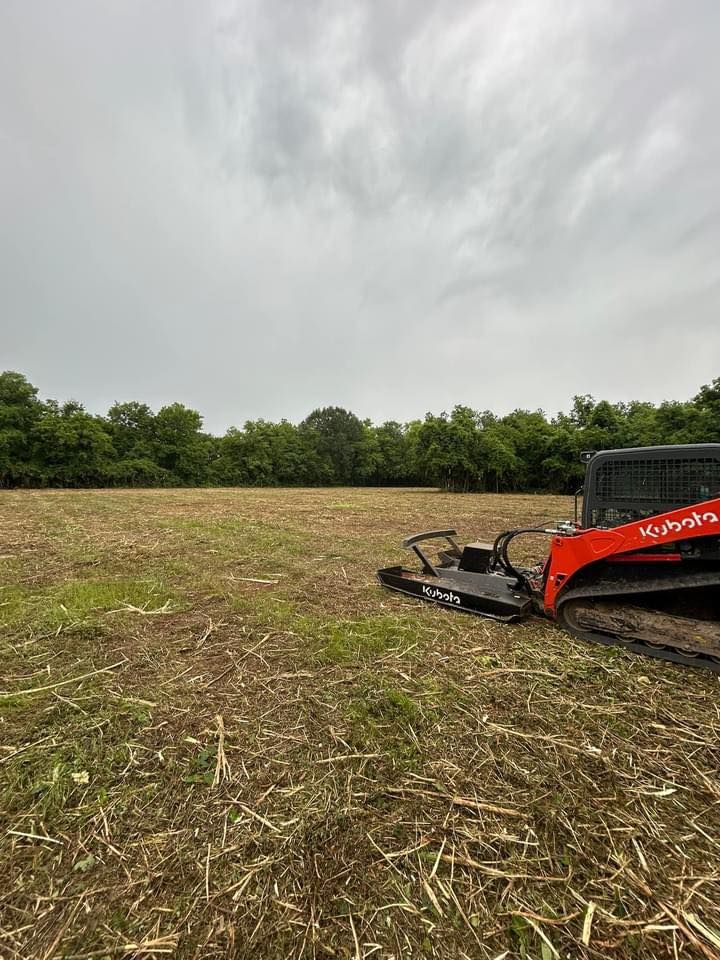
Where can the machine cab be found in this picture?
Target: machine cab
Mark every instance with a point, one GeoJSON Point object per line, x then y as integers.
{"type": "Point", "coordinates": [638, 482]}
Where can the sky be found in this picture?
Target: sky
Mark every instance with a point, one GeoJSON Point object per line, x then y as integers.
{"type": "Point", "coordinates": [257, 208]}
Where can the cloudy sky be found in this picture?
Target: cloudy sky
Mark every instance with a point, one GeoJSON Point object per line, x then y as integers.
{"type": "Point", "coordinates": [258, 208]}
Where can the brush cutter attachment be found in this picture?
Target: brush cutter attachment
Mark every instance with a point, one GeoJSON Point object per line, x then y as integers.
{"type": "Point", "coordinates": [460, 579]}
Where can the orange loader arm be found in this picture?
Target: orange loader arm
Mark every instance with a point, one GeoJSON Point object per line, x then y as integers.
{"type": "Point", "coordinates": [572, 552]}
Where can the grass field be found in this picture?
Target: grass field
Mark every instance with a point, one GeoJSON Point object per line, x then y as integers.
{"type": "Point", "coordinates": [219, 737]}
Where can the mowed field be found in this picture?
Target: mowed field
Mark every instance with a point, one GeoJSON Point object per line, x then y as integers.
{"type": "Point", "coordinates": [220, 737]}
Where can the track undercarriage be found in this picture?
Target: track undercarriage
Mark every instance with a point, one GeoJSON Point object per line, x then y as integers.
{"type": "Point", "coordinates": [681, 625]}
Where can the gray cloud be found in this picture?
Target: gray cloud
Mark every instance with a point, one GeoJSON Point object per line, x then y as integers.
{"type": "Point", "coordinates": [261, 207]}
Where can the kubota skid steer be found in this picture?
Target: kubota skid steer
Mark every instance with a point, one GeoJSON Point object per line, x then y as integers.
{"type": "Point", "coordinates": [641, 570]}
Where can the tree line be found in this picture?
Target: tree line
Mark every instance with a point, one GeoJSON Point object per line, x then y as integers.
{"type": "Point", "coordinates": [45, 443]}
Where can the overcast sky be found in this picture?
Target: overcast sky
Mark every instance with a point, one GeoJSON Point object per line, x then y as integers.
{"type": "Point", "coordinates": [258, 208]}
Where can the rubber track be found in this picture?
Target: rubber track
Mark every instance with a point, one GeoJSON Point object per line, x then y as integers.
{"type": "Point", "coordinates": [608, 588]}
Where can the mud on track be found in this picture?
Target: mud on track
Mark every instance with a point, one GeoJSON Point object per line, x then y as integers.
{"type": "Point", "coordinates": [219, 737]}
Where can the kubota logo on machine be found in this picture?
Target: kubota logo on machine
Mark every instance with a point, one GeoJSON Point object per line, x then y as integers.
{"type": "Point", "coordinates": [444, 596]}
{"type": "Point", "coordinates": [656, 530]}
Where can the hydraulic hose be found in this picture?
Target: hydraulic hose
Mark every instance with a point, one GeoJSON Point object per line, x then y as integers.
{"type": "Point", "coordinates": [500, 557]}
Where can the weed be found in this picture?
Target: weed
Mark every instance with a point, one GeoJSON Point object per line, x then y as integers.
{"type": "Point", "coordinates": [80, 601]}
{"type": "Point", "coordinates": [201, 768]}
{"type": "Point", "coordinates": [343, 640]}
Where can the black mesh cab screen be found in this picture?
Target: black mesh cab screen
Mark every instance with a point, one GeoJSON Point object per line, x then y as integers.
{"type": "Point", "coordinates": [626, 485]}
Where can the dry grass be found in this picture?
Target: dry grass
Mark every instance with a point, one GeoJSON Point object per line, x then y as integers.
{"type": "Point", "coordinates": [219, 737]}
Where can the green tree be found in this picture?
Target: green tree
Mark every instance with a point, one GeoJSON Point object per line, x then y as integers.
{"type": "Point", "coordinates": [530, 436]}
{"type": "Point", "coordinates": [640, 427]}
{"type": "Point", "coordinates": [338, 436]}
{"type": "Point", "coordinates": [707, 406]}
{"type": "Point", "coordinates": [19, 412]}
{"type": "Point", "coordinates": [434, 453]}
{"type": "Point", "coordinates": [448, 450]}
{"type": "Point", "coordinates": [368, 464]}
{"type": "Point", "coordinates": [132, 429]}
{"type": "Point", "coordinates": [178, 444]}
{"type": "Point", "coordinates": [561, 465]}
{"type": "Point", "coordinates": [395, 461]}
{"type": "Point", "coordinates": [72, 447]}
{"type": "Point", "coordinates": [498, 457]}
{"type": "Point", "coordinates": [296, 461]}
{"type": "Point", "coordinates": [679, 422]}
{"type": "Point", "coordinates": [227, 460]}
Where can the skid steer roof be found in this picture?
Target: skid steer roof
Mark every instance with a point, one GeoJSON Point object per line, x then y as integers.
{"type": "Point", "coordinates": [636, 482]}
